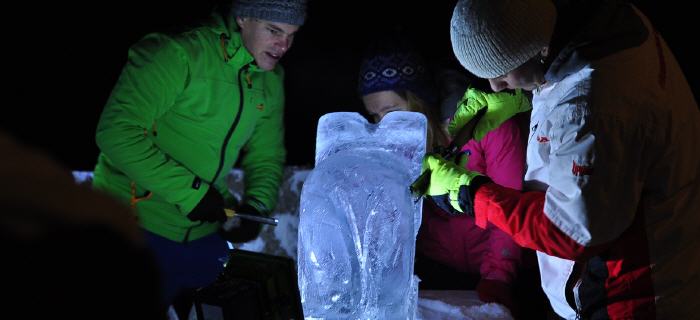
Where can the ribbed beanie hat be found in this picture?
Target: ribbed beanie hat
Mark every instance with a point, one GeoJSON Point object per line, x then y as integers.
{"type": "Point", "coordinates": [492, 37]}
{"type": "Point", "coordinates": [284, 11]}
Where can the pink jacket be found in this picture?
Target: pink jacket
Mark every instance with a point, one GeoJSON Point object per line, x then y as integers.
{"type": "Point", "coordinates": [455, 240]}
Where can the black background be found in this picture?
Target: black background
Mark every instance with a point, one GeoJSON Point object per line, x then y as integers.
{"type": "Point", "coordinates": [64, 59]}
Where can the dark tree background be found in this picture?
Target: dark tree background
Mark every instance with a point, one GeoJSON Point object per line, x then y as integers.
{"type": "Point", "coordinates": [64, 59]}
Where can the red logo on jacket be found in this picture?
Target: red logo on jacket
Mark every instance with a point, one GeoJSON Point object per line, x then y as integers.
{"type": "Point", "coordinates": [579, 170]}
{"type": "Point", "coordinates": [542, 139]}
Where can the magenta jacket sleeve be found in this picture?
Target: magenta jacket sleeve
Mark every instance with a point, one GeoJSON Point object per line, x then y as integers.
{"type": "Point", "coordinates": [500, 155]}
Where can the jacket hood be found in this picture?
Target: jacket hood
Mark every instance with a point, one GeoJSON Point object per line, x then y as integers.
{"type": "Point", "coordinates": [608, 27]}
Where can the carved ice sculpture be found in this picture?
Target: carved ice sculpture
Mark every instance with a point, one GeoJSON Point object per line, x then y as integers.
{"type": "Point", "coordinates": [358, 221]}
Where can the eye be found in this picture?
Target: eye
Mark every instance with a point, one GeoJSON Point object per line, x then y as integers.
{"type": "Point", "coordinates": [273, 32]}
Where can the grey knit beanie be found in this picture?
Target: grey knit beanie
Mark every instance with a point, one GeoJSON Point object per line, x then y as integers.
{"type": "Point", "coordinates": [284, 11]}
{"type": "Point", "coordinates": [492, 37]}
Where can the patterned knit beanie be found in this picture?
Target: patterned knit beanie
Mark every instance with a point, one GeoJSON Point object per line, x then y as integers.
{"type": "Point", "coordinates": [395, 66]}
{"type": "Point", "coordinates": [284, 11]}
{"type": "Point", "coordinates": [492, 37]}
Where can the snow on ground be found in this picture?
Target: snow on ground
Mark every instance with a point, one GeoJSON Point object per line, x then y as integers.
{"type": "Point", "coordinates": [457, 304]}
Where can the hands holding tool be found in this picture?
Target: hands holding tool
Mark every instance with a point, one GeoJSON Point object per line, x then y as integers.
{"type": "Point", "coordinates": [244, 224]}
{"type": "Point", "coordinates": [241, 225]}
{"type": "Point", "coordinates": [445, 177]}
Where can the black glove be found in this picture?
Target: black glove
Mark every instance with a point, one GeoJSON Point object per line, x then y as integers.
{"type": "Point", "coordinates": [247, 230]}
{"type": "Point", "coordinates": [210, 208]}
{"type": "Point", "coordinates": [465, 198]}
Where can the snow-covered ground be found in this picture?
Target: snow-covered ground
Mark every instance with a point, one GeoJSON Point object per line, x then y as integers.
{"type": "Point", "coordinates": [454, 304]}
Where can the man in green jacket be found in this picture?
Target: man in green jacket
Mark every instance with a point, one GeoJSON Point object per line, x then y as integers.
{"type": "Point", "coordinates": [185, 107]}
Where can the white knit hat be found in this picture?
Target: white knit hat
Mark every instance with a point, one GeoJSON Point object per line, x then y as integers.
{"type": "Point", "coordinates": [492, 37]}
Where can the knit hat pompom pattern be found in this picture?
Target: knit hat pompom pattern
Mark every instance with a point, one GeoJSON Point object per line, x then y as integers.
{"type": "Point", "coordinates": [395, 66]}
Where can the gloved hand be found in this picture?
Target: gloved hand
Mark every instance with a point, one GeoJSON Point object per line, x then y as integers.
{"type": "Point", "coordinates": [452, 187]}
{"type": "Point", "coordinates": [210, 208]}
{"type": "Point", "coordinates": [501, 107]}
{"type": "Point", "coordinates": [246, 230]}
{"type": "Point", "coordinates": [495, 291]}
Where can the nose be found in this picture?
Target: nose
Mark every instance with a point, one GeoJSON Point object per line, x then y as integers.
{"type": "Point", "coordinates": [497, 84]}
{"type": "Point", "coordinates": [283, 43]}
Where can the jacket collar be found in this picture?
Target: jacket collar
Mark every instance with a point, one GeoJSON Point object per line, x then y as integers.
{"type": "Point", "coordinates": [231, 43]}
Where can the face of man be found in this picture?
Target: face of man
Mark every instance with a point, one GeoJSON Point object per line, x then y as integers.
{"type": "Point", "coordinates": [267, 41]}
{"type": "Point", "coordinates": [527, 76]}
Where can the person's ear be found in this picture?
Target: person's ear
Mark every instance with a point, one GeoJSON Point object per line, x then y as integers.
{"type": "Point", "coordinates": [242, 21]}
{"type": "Point", "coordinates": [543, 55]}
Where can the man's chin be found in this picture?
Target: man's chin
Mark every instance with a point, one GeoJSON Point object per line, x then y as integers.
{"type": "Point", "coordinates": [266, 63]}
{"type": "Point", "coordinates": [530, 87]}
{"type": "Point", "coordinates": [267, 66]}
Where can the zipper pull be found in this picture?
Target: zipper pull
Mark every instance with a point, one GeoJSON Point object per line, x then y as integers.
{"type": "Point", "coordinates": [223, 39]}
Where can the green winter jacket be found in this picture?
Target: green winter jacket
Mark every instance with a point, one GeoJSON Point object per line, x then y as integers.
{"type": "Point", "coordinates": [183, 110]}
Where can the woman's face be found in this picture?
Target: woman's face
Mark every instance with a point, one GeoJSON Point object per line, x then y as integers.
{"type": "Point", "coordinates": [378, 104]}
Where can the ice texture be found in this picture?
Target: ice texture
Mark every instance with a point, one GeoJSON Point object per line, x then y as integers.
{"type": "Point", "coordinates": [358, 221]}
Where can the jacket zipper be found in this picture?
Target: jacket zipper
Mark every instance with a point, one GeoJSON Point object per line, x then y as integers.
{"type": "Point", "coordinates": [233, 126]}
{"type": "Point", "coordinates": [572, 287]}
{"type": "Point", "coordinates": [187, 234]}
{"type": "Point", "coordinates": [226, 140]}
{"type": "Point", "coordinates": [577, 301]}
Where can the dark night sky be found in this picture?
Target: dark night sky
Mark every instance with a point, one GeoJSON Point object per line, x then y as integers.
{"type": "Point", "coordinates": [69, 57]}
